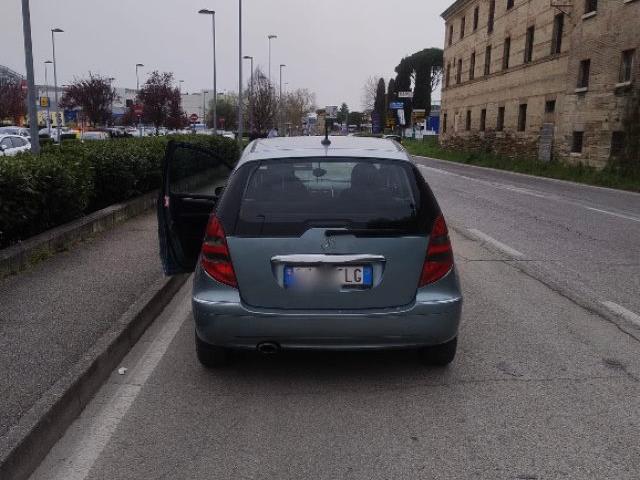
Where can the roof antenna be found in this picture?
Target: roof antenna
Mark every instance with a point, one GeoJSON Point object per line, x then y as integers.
{"type": "Point", "coordinates": [325, 141]}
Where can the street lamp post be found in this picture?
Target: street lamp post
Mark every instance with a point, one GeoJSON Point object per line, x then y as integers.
{"type": "Point", "coordinates": [270, 37]}
{"type": "Point", "coordinates": [111, 79]}
{"type": "Point", "coordinates": [204, 11]}
{"type": "Point", "coordinates": [180, 82]}
{"type": "Point", "coordinates": [138, 65]}
{"type": "Point", "coordinates": [240, 73]}
{"type": "Point", "coordinates": [55, 80]}
{"type": "Point", "coordinates": [46, 87]}
{"type": "Point", "coordinates": [204, 107]}
{"type": "Point", "coordinates": [251, 126]}
{"type": "Point", "coordinates": [282, 65]}
{"type": "Point", "coordinates": [31, 81]}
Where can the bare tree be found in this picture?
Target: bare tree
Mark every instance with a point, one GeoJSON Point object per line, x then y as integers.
{"type": "Point", "coordinates": [297, 105]}
{"type": "Point", "coordinates": [94, 95]}
{"type": "Point", "coordinates": [369, 90]}
{"type": "Point", "coordinates": [265, 103]}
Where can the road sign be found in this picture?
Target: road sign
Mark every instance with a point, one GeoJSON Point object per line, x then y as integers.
{"type": "Point", "coordinates": [44, 102]}
{"type": "Point", "coordinates": [331, 111]}
{"type": "Point", "coordinates": [396, 105]}
{"type": "Point", "coordinates": [193, 118]}
{"type": "Point", "coordinates": [405, 94]}
{"type": "Point", "coordinates": [138, 109]}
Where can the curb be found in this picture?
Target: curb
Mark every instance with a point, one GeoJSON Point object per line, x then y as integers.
{"type": "Point", "coordinates": [19, 257]}
{"type": "Point", "coordinates": [27, 443]}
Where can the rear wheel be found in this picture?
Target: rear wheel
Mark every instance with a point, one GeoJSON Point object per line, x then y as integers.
{"type": "Point", "coordinates": [440, 355]}
{"type": "Point", "coordinates": [211, 356]}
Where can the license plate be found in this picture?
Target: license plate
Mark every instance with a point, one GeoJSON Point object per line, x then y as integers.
{"type": "Point", "coordinates": [308, 278]}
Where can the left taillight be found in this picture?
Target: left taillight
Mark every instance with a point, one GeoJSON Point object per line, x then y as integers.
{"type": "Point", "coordinates": [215, 258]}
{"type": "Point", "coordinates": [439, 259]}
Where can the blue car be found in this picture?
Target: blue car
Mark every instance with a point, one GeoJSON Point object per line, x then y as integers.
{"type": "Point", "coordinates": [309, 246]}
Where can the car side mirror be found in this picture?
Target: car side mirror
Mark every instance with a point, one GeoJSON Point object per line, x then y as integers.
{"type": "Point", "coordinates": [219, 191]}
{"type": "Point", "coordinates": [3, 147]}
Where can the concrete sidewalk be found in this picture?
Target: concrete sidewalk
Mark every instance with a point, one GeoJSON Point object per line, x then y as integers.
{"type": "Point", "coordinates": [51, 315]}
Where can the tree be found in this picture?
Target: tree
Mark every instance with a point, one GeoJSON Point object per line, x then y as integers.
{"type": "Point", "coordinates": [297, 105]}
{"type": "Point", "coordinates": [157, 96]}
{"type": "Point", "coordinates": [94, 95]}
{"type": "Point", "coordinates": [343, 113]}
{"type": "Point", "coordinates": [12, 101]}
{"type": "Point", "coordinates": [177, 118]}
{"type": "Point", "coordinates": [424, 68]}
{"type": "Point", "coordinates": [380, 105]}
{"type": "Point", "coordinates": [226, 112]}
{"type": "Point", "coordinates": [355, 118]}
{"type": "Point", "coordinates": [265, 103]}
{"type": "Point", "coordinates": [369, 89]}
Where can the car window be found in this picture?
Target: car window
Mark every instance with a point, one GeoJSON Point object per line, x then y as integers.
{"type": "Point", "coordinates": [284, 198]}
{"type": "Point", "coordinates": [18, 141]}
{"type": "Point", "coordinates": [6, 142]}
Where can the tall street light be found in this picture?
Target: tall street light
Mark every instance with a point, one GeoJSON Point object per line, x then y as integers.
{"type": "Point", "coordinates": [55, 80]}
{"type": "Point", "coordinates": [138, 65]}
{"type": "Point", "coordinates": [46, 86]}
{"type": "Point", "coordinates": [251, 126]}
{"type": "Point", "coordinates": [180, 82]}
{"type": "Point", "coordinates": [204, 11]}
{"type": "Point", "coordinates": [282, 65]}
{"type": "Point", "coordinates": [31, 80]}
{"type": "Point", "coordinates": [204, 107]}
{"type": "Point", "coordinates": [111, 80]}
{"type": "Point", "coordinates": [240, 126]}
{"type": "Point", "coordinates": [270, 37]}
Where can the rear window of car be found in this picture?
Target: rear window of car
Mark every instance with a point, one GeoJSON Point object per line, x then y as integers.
{"type": "Point", "coordinates": [288, 197]}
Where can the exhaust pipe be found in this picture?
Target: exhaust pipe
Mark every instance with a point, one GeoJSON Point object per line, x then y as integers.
{"type": "Point", "coordinates": [268, 348]}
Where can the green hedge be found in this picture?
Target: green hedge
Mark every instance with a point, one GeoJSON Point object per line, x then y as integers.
{"type": "Point", "coordinates": [63, 183]}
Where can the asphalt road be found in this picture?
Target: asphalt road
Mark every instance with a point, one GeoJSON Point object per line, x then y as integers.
{"type": "Point", "coordinates": [52, 314]}
{"type": "Point", "coordinates": [542, 388]}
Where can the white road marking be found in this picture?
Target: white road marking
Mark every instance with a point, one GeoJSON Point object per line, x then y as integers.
{"type": "Point", "coordinates": [623, 312]}
{"type": "Point", "coordinates": [526, 191]}
{"type": "Point", "coordinates": [499, 245]}
{"type": "Point", "coordinates": [74, 456]}
{"type": "Point", "coordinates": [619, 215]}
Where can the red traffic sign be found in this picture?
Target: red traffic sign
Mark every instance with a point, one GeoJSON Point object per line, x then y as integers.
{"type": "Point", "coordinates": [193, 118]}
{"type": "Point", "coordinates": [138, 109]}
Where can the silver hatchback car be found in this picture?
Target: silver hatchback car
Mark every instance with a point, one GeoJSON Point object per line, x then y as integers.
{"type": "Point", "coordinates": [311, 246]}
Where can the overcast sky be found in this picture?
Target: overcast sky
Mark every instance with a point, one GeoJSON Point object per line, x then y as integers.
{"type": "Point", "coordinates": [330, 46]}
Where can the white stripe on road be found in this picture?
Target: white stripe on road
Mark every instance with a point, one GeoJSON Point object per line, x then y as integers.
{"type": "Point", "coordinates": [623, 312]}
{"type": "Point", "coordinates": [74, 456]}
{"type": "Point", "coordinates": [499, 245]}
{"type": "Point", "coordinates": [619, 215]}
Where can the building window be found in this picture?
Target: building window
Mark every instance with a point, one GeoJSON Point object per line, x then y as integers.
{"type": "Point", "coordinates": [550, 106]}
{"type": "Point", "coordinates": [447, 80]}
{"type": "Point", "coordinates": [617, 144]}
{"type": "Point", "coordinates": [500, 122]}
{"type": "Point", "coordinates": [506, 53]}
{"type": "Point", "coordinates": [476, 18]}
{"type": "Point", "coordinates": [509, 4]}
{"type": "Point", "coordinates": [483, 119]}
{"type": "Point", "coordinates": [528, 46]}
{"type": "Point", "coordinates": [450, 35]}
{"type": "Point", "coordinates": [467, 124]}
{"type": "Point", "coordinates": [492, 15]}
{"type": "Point", "coordinates": [556, 39]}
{"type": "Point", "coordinates": [459, 72]}
{"type": "Point", "coordinates": [590, 6]}
{"type": "Point", "coordinates": [577, 143]}
{"type": "Point", "coordinates": [583, 74]}
{"type": "Point", "coordinates": [463, 24]}
{"type": "Point", "coordinates": [626, 66]}
{"type": "Point", "coordinates": [444, 123]}
{"type": "Point", "coordinates": [472, 66]}
{"type": "Point", "coordinates": [522, 118]}
{"type": "Point", "coordinates": [487, 61]}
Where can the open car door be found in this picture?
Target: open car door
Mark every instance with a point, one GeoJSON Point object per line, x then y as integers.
{"type": "Point", "coordinates": [192, 177]}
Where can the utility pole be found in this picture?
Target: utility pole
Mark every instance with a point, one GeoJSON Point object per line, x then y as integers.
{"type": "Point", "coordinates": [204, 11]}
{"type": "Point", "coordinates": [251, 125]}
{"type": "Point", "coordinates": [55, 81]}
{"type": "Point", "coordinates": [270, 37]}
{"type": "Point", "coordinates": [46, 86]}
{"type": "Point", "coordinates": [240, 73]}
{"type": "Point", "coordinates": [282, 65]}
{"type": "Point", "coordinates": [31, 82]}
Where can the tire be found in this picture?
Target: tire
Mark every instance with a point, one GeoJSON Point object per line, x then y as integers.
{"type": "Point", "coordinates": [211, 356]}
{"type": "Point", "coordinates": [440, 355]}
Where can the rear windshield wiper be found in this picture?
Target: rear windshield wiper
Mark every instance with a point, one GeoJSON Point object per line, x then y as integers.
{"type": "Point", "coordinates": [367, 232]}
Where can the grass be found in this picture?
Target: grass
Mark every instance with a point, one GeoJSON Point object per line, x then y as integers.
{"type": "Point", "coordinates": [609, 177]}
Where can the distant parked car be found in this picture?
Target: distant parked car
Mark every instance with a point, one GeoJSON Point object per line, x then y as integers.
{"type": "Point", "coordinates": [396, 138]}
{"type": "Point", "coordinates": [13, 130]}
{"type": "Point", "coordinates": [11, 145]}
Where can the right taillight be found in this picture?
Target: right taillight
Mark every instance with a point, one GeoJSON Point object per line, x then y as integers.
{"type": "Point", "coordinates": [439, 259]}
{"type": "Point", "coordinates": [216, 260]}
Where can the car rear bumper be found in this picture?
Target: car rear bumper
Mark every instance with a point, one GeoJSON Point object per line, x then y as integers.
{"type": "Point", "coordinates": [227, 322]}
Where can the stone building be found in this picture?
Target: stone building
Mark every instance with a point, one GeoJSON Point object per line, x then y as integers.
{"type": "Point", "coordinates": [540, 78]}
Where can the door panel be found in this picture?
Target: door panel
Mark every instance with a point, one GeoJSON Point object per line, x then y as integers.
{"type": "Point", "coordinates": [190, 177]}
